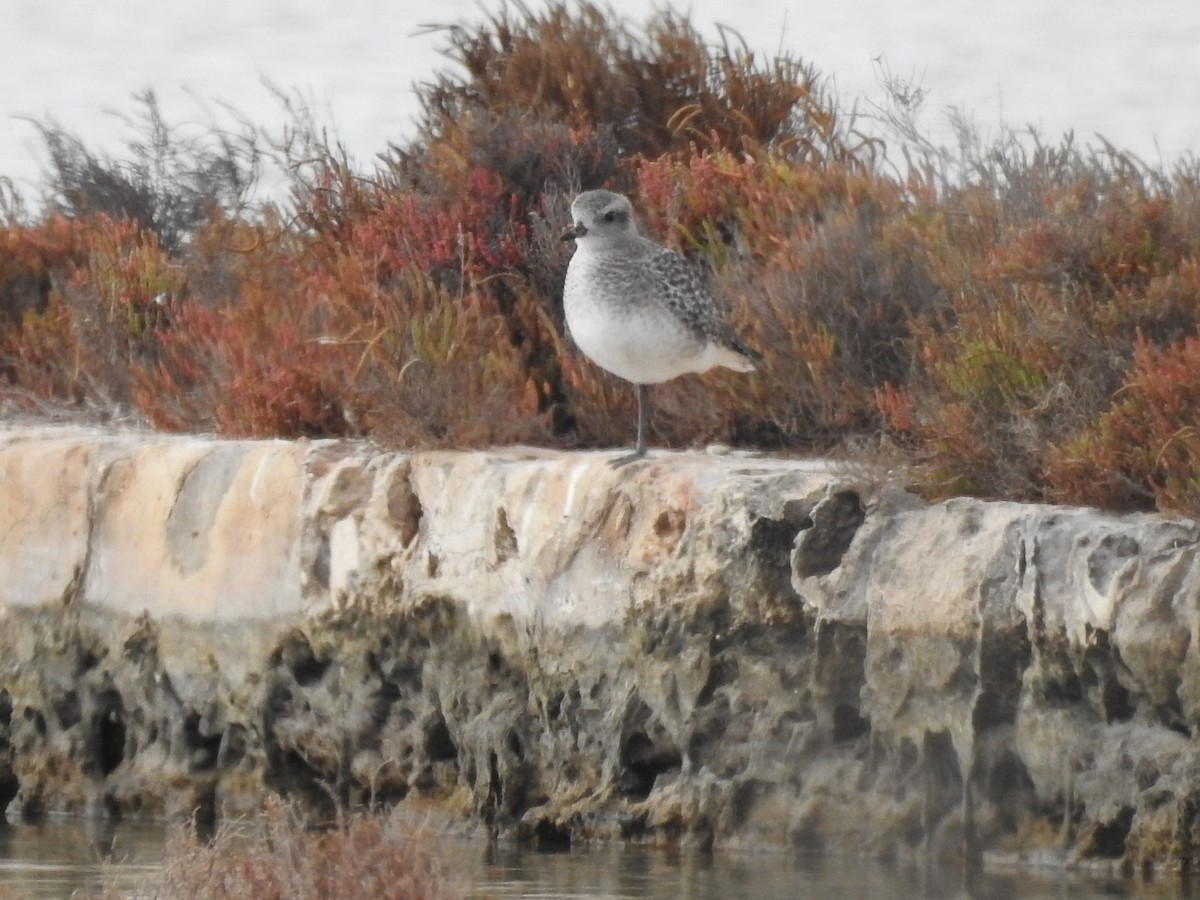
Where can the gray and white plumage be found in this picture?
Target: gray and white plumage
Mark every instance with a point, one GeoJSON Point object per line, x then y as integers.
{"type": "Point", "coordinates": [638, 309]}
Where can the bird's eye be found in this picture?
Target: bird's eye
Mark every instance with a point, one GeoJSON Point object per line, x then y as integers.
{"type": "Point", "coordinates": [610, 216]}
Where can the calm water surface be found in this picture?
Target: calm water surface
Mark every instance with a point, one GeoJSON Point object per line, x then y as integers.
{"type": "Point", "coordinates": [67, 859]}
{"type": "Point", "coordinates": [72, 859]}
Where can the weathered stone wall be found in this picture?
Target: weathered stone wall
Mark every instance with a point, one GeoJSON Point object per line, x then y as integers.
{"type": "Point", "coordinates": [698, 648]}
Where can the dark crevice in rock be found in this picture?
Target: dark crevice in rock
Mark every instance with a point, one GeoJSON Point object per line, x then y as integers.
{"type": "Point", "coordinates": [772, 542]}
{"type": "Point", "coordinates": [1179, 727]}
{"type": "Point", "coordinates": [289, 774]}
{"type": "Point", "coordinates": [204, 813]}
{"type": "Point", "coordinates": [840, 673]}
{"type": "Point", "coordinates": [848, 723]}
{"type": "Point", "coordinates": [833, 523]}
{"type": "Point", "coordinates": [439, 745]}
{"type": "Point", "coordinates": [381, 703]}
{"type": "Point", "coordinates": [495, 789]}
{"type": "Point", "coordinates": [296, 654]}
{"type": "Point", "coordinates": [514, 746]}
{"type": "Point", "coordinates": [203, 749]}
{"type": "Point", "coordinates": [287, 771]}
{"type": "Point", "coordinates": [722, 671]}
{"type": "Point", "coordinates": [1004, 657]}
{"type": "Point", "coordinates": [646, 752]}
{"type": "Point", "coordinates": [989, 712]}
{"type": "Point", "coordinates": [1116, 701]}
{"type": "Point", "coordinates": [67, 708]}
{"type": "Point", "coordinates": [1056, 683]}
{"type": "Point", "coordinates": [233, 746]}
{"type": "Point", "coordinates": [398, 664]}
{"type": "Point", "coordinates": [670, 524]}
{"type": "Point", "coordinates": [386, 795]}
{"type": "Point", "coordinates": [551, 838]}
{"type": "Point", "coordinates": [1102, 679]}
{"type": "Point", "coordinates": [1007, 785]}
{"type": "Point", "coordinates": [106, 733]}
{"type": "Point", "coordinates": [86, 659]}
{"type": "Point", "coordinates": [743, 799]}
{"type": "Point", "coordinates": [10, 786]}
{"type": "Point", "coordinates": [35, 718]}
{"type": "Point", "coordinates": [1107, 840]}
{"type": "Point", "coordinates": [943, 780]}
{"type": "Point", "coordinates": [633, 826]}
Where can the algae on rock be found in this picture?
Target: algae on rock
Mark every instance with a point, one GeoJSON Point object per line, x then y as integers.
{"type": "Point", "coordinates": [700, 648]}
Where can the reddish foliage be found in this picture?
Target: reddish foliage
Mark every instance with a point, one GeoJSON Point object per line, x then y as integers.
{"type": "Point", "coordinates": [1040, 327]}
{"type": "Point", "coordinates": [1147, 444]}
{"type": "Point", "coordinates": [98, 316]}
{"type": "Point", "coordinates": [282, 857]}
{"type": "Point", "coordinates": [1026, 329]}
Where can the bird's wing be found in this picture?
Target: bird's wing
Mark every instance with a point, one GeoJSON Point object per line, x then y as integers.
{"type": "Point", "coordinates": [692, 294]}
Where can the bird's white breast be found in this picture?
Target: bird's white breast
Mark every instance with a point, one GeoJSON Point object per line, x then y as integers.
{"type": "Point", "coordinates": [639, 341]}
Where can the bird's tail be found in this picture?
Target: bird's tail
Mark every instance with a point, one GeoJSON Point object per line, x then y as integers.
{"type": "Point", "coordinates": [751, 358]}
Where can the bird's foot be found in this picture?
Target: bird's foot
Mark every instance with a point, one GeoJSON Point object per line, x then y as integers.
{"type": "Point", "coordinates": [622, 461]}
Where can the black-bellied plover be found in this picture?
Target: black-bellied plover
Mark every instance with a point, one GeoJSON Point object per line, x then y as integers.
{"type": "Point", "coordinates": [638, 309]}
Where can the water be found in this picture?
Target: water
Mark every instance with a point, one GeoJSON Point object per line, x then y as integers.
{"type": "Point", "coordinates": [637, 874]}
{"type": "Point", "coordinates": [61, 859]}
{"type": "Point", "coordinates": [69, 858]}
{"type": "Point", "coordinates": [1130, 71]}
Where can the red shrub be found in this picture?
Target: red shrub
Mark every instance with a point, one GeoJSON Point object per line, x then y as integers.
{"type": "Point", "coordinates": [1039, 326]}
{"type": "Point", "coordinates": [1146, 447]}
{"type": "Point", "coordinates": [100, 316]}
{"type": "Point", "coordinates": [323, 339]}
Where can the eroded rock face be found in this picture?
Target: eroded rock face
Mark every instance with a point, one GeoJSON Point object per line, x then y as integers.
{"type": "Point", "coordinates": [705, 649]}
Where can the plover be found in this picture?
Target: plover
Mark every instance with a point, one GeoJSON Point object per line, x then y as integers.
{"type": "Point", "coordinates": [638, 309]}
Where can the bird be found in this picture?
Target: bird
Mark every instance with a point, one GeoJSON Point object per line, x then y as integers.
{"type": "Point", "coordinates": [640, 310]}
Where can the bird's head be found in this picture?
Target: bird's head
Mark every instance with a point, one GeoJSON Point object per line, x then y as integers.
{"type": "Point", "coordinates": [601, 216]}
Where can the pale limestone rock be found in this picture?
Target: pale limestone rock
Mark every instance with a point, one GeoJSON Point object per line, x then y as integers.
{"type": "Point", "coordinates": [179, 527]}
{"type": "Point", "coordinates": [704, 648]}
{"type": "Point", "coordinates": [45, 496]}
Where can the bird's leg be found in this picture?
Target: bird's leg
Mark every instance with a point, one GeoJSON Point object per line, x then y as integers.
{"type": "Point", "coordinates": [640, 447]}
{"type": "Point", "coordinates": [639, 450]}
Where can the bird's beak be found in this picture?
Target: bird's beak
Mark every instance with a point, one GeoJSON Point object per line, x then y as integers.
{"type": "Point", "coordinates": [575, 231]}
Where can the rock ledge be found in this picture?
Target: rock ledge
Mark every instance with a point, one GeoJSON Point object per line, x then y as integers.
{"type": "Point", "coordinates": [709, 649]}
